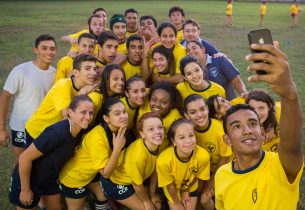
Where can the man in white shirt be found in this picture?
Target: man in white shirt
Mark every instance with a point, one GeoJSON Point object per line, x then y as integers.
{"type": "Point", "coordinates": [29, 82]}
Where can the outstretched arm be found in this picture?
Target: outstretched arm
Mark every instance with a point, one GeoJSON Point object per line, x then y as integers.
{"type": "Point", "coordinates": [279, 78]}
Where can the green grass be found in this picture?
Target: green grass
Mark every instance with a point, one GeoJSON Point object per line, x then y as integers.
{"type": "Point", "coordinates": [22, 21]}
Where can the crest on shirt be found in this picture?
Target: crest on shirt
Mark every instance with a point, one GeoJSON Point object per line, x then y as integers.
{"type": "Point", "coordinates": [210, 147]}
{"type": "Point", "coordinates": [254, 195]}
{"type": "Point", "coordinates": [213, 72]}
{"type": "Point", "coordinates": [274, 148]}
{"type": "Point", "coordinates": [193, 170]}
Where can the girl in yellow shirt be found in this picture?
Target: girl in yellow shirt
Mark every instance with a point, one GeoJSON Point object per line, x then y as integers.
{"type": "Point", "coordinates": [164, 65]}
{"type": "Point", "coordinates": [165, 100]}
{"type": "Point", "coordinates": [100, 152]}
{"type": "Point", "coordinates": [126, 185]}
{"type": "Point", "coordinates": [181, 166]}
{"type": "Point", "coordinates": [209, 133]}
{"type": "Point", "coordinates": [269, 114]}
{"type": "Point", "coordinates": [135, 91]}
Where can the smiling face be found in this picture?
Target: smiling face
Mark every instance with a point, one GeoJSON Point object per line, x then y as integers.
{"type": "Point", "coordinates": [116, 82]}
{"type": "Point", "coordinates": [244, 133]}
{"type": "Point", "coordinates": [168, 38]}
{"type": "Point", "coordinates": [198, 113]}
{"type": "Point", "coordinates": [117, 117]}
{"type": "Point", "coordinates": [221, 106]}
{"type": "Point", "coordinates": [184, 140]}
{"type": "Point", "coordinates": [152, 132]}
{"type": "Point", "coordinates": [82, 116]}
{"type": "Point", "coordinates": [160, 102]}
{"type": "Point", "coordinates": [136, 93]}
{"type": "Point", "coordinates": [193, 49]}
{"type": "Point", "coordinates": [86, 46]}
{"type": "Point", "coordinates": [160, 62]}
{"type": "Point", "coordinates": [193, 74]}
{"type": "Point", "coordinates": [261, 108]}
{"type": "Point", "coordinates": [45, 52]}
{"type": "Point", "coordinates": [147, 27]}
{"type": "Point", "coordinates": [97, 25]}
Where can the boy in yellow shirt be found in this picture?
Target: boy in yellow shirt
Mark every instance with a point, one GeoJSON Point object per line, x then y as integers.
{"type": "Point", "coordinates": [176, 16]}
{"type": "Point", "coordinates": [86, 45]}
{"type": "Point", "coordinates": [256, 179]}
{"type": "Point", "coordinates": [229, 13]}
{"type": "Point", "coordinates": [263, 10]}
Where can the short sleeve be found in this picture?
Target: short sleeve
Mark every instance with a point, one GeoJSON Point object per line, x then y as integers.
{"type": "Point", "coordinates": [47, 141]}
{"type": "Point", "coordinates": [14, 81]}
{"type": "Point", "coordinates": [163, 168]}
{"type": "Point", "coordinates": [228, 69]}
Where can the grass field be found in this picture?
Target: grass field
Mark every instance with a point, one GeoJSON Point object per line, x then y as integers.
{"type": "Point", "coordinates": [22, 21]}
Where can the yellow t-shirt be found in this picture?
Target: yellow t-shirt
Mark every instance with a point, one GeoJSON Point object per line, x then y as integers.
{"type": "Point", "coordinates": [214, 89]}
{"type": "Point", "coordinates": [263, 9]}
{"type": "Point", "coordinates": [90, 157]}
{"type": "Point", "coordinates": [170, 169]}
{"type": "Point", "coordinates": [128, 34]}
{"type": "Point", "coordinates": [138, 165]}
{"type": "Point", "coordinates": [229, 10]}
{"type": "Point", "coordinates": [74, 46]}
{"type": "Point", "coordinates": [265, 186]}
{"type": "Point", "coordinates": [122, 48]}
{"type": "Point", "coordinates": [294, 9]}
{"type": "Point", "coordinates": [237, 100]}
{"type": "Point", "coordinates": [211, 140]}
{"type": "Point", "coordinates": [272, 145]}
{"type": "Point", "coordinates": [57, 99]}
{"type": "Point", "coordinates": [180, 36]}
{"type": "Point", "coordinates": [64, 68]}
{"type": "Point", "coordinates": [131, 112]}
{"type": "Point", "coordinates": [179, 52]}
{"type": "Point", "coordinates": [131, 70]}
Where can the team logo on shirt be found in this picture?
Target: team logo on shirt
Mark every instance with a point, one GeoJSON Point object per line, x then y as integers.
{"type": "Point", "coordinates": [254, 195]}
{"type": "Point", "coordinates": [213, 72]}
{"type": "Point", "coordinates": [193, 170]}
{"type": "Point", "coordinates": [274, 148]}
{"type": "Point", "coordinates": [210, 147]}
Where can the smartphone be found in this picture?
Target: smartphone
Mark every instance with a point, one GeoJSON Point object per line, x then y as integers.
{"type": "Point", "coordinates": [261, 36]}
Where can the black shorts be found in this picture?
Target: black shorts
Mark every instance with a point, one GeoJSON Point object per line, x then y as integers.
{"type": "Point", "coordinates": [29, 139]}
{"type": "Point", "coordinates": [76, 193]}
{"type": "Point", "coordinates": [52, 188]}
{"type": "Point", "coordinates": [116, 191]}
{"type": "Point", "coordinates": [18, 138]}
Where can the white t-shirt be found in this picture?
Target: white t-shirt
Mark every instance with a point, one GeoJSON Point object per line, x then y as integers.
{"type": "Point", "coordinates": [29, 84]}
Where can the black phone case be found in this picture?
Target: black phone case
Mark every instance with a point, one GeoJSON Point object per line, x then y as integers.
{"type": "Point", "coordinates": [261, 36]}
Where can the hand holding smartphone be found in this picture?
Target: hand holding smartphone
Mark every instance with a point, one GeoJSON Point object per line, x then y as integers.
{"type": "Point", "coordinates": [261, 36]}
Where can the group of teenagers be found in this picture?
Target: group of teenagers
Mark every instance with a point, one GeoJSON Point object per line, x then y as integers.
{"type": "Point", "coordinates": [148, 118]}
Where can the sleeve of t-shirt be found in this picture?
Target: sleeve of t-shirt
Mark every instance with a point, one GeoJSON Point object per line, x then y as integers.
{"type": "Point", "coordinates": [98, 148]}
{"type": "Point", "coordinates": [14, 81]}
{"type": "Point", "coordinates": [47, 141]}
{"type": "Point", "coordinates": [133, 169]}
{"type": "Point", "coordinates": [164, 172]}
{"type": "Point", "coordinates": [228, 69]}
{"type": "Point", "coordinates": [63, 96]}
{"type": "Point", "coordinates": [209, 48]}
{"type": "Point", "coordinates": [203, 165]}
